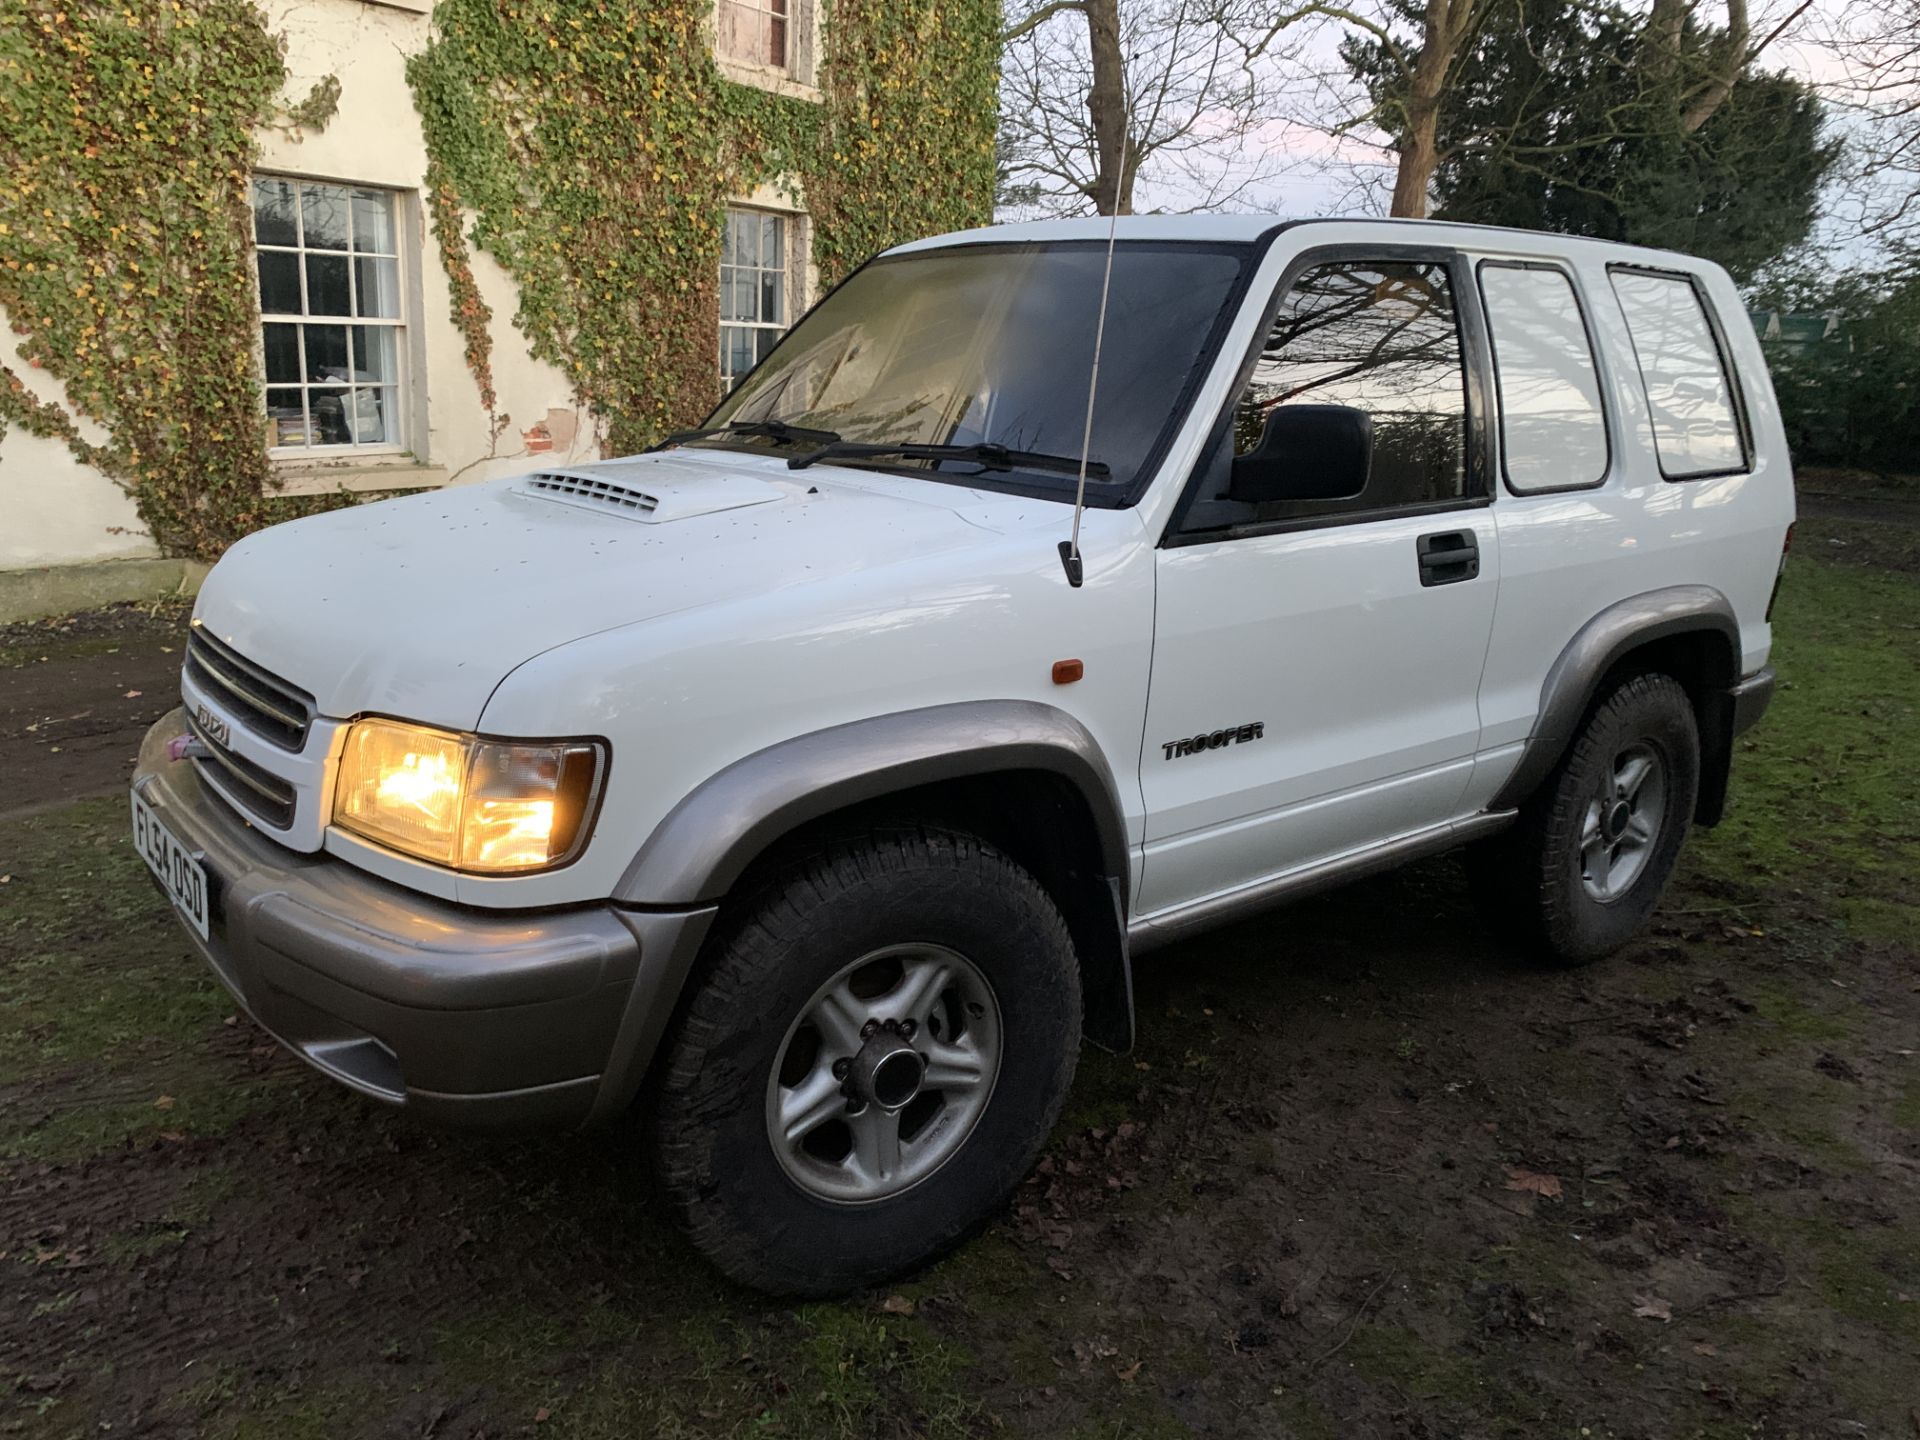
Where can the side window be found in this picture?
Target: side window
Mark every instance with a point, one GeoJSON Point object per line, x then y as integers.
{"type": "Point", "coordinates": [1553, 432]}
{"type": "Point", "coordinates": [1695, 429]}
{"type": "Point", "coordinates": [1378, 336]}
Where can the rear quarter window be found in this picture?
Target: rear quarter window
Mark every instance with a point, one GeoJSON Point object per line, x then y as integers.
{"type": "Point", "coordinates": [1696, 426]}
{"type": "Point", "coordinates": [1553, 430]}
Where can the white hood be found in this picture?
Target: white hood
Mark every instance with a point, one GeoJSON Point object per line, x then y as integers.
{"type": "Point", "coordinates": [419, 607]}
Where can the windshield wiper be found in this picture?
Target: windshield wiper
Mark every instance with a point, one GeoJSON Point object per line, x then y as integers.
{"type": "Point", "coordinates": [771, 429]}
{"type": "Point", "coordinates": [989, 456]}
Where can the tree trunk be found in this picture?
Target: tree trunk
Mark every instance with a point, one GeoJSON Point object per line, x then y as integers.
{"type": "Point", "coordinates": [1419, 158]}
{"type": "Point", "coordinates": [1107, 109]}
{"type": "Point", "coordinates": [1719, 84]}
{"type": "Point", "coordinates": [1446, 28]}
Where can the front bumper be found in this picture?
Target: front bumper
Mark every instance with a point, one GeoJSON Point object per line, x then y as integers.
{"type": "Point", "coordinates": [470, 1017]}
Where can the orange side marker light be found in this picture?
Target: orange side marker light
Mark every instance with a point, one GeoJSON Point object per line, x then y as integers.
{"type": "Point", "coordinates": [1065, 672]}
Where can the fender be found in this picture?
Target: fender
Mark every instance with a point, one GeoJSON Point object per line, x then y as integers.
{"type": "Point", "coordinates": [1601, 644]}
{"type": "Point", "coordinates": [705, 844]}
{"type": "Point", "coordinates": [670, 893]}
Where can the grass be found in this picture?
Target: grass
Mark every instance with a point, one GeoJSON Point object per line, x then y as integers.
{"type": "Point", "coordinates": [99, 992]}
{"type": "Point", "coordinates": [1827, 790]}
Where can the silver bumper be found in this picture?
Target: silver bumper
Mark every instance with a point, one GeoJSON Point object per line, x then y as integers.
{"type": "Point", "coordinates": [470, 1017]}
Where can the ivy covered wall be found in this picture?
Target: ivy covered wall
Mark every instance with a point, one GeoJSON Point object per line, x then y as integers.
{"type": "Point", "coordinates": [597, 145]}
{"type": "Point", "coordinates": [589, 146]}
{"type": "Point", "coordinates": [125, 133]}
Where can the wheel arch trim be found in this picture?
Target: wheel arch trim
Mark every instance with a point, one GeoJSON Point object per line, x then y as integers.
{"type": "Point", "coordinates": [707, 841]}
{"type": "Point", "coordinates": [1596, 648]}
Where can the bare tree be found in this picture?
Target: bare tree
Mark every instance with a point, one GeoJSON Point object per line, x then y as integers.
{"type": "Point", "coordinates": [1880, 48]}
{"type": "Point", "coordinates": [1171, 93]}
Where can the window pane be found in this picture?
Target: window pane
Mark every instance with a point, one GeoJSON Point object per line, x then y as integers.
{"type": "Point", "coordinates": [373, 352]}
{"type": "Point", "coordinates": [1381, 338]}
{"type": "Point", "coordinates": [742, 31]}
{"type": "Point", "coordinates": [286, 419]}
{"type": "Point", "coordinates": [1694, 427]}
{"type": "Point", "coordinates": [327, 285]}
{"type": "Point", "coordinates": [770, 234]}
{"type": "Point", "coordinates": [373, 222]}
{"type": "Point", "coordinates": [326, 351]}
{"type": "Point", "coordinates": [328, 407]}
{"type": "Point", "coordinates": [274, 222]}
{"type": "Point", "coordinates": [363, 416]}
{"type": "Point", "coordinates": [736, 351]}
{"type": "Point", "coordinates": [281, 344]}
{"type": "Point", "coordinates": [777, 41]}
{"type": "Point", "coordinates": [1552, 428]}
{"type": "Point", "coordinates": [736, 296]}
{"type": "Point", "coordinates": [279, 282]}
{"type": "Point", "coordinates": [323, 216]}
{"type": "Point", "coordinates": [377, 288]}
{"type": "Point", "coordinates": [763, 343]}
{"type": "Point", "coordinates": [771, 308]}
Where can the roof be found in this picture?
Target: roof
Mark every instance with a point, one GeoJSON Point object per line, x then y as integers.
{"type": "Point", "coordinates": [1247, 228]}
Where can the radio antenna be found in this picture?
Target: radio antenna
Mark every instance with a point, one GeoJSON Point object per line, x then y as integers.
{"type": "Point", "coordinates": [1070, 549]}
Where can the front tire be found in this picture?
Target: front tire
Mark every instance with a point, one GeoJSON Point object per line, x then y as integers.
{"type": "Point", "coordinates": [1582, 871]}
{"type": "Point", "coordinates": [885, 1034]}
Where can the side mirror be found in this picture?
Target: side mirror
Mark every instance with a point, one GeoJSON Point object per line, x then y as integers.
{"type": "Point", "coordinates": [1306, 452]}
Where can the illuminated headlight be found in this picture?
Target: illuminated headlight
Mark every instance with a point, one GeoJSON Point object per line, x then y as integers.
{"type": "Point", "coordinates": [487, 806]}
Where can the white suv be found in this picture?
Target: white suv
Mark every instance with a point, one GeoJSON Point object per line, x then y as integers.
{"type": "Point", "coordinates": [794, 776]}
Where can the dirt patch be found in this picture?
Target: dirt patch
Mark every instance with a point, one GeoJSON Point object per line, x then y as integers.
{"type": "Point", "coordinates": [76, 695]}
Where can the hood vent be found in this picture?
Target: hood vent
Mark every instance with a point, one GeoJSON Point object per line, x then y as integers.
{"type": "Point", "coordinates": [652, 489]}
{"type": "Point", "coordinates": [585, 489]}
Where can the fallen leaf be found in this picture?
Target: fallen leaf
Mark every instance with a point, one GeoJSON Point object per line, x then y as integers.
{"type": "Point", "coordinates": [542, 1415]}
{"type": "Point", "coordinates": [897, 1305]}
{"type": "Point", "coordinates": [131, 695]}
{"type": "Point", "coordinates": [1652, 1307]}
{"type": "Point", "coordinates": [1131, 1370]}
{"type": "Point", "coordinates": [1703, 1348]}
{"type": "Point", "coordinates": [1527, 1182]}
{"type": "Point", "coordinates": [165, 1102]}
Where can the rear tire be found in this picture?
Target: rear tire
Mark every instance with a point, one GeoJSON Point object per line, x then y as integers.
{"type": "Point", "coordinates": [783, 1137]}
{"type": "Point", "coordinates": [1580, 873]}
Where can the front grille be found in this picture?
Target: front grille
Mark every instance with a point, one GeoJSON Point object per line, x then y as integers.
{"type": "Point", "coordinates": [593, 491]}
{"type": "Point", "coordinates": [263, 702]}
{"type": "Point", "coordinates": [260, 793]}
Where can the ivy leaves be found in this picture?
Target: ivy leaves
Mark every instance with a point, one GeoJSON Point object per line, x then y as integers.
{"type": "Point", "coordinates": [597, 146]}
{"type": "Point", "coordinates": [124, 247]}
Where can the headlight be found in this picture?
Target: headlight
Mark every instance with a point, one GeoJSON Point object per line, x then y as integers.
{"type": "Point", "coordinates": [487, 806]}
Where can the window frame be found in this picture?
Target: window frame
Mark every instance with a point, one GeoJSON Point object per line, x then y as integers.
{"type": "Point", "coordinates": [792, 282]}
{"type": "Point", "coordinates": [1729, 372]}
{"type": "Point", "coordinates": [1469, 319]}
{"type": "Point", "coordinates": [763, 9]}
{"type": "Point", "coordinates": [1602, 380]}
{"type": "Point", "coordinates": [406, 418]}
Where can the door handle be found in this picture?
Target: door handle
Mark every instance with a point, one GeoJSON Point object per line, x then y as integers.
{"type": "Point", "coordinates": [1448, 557]}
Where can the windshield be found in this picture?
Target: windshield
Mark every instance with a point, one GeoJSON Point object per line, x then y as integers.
{"type": "Point", "coordinates": [992, 344]}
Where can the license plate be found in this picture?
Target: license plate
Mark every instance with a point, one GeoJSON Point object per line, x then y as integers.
{"type": "Point", "coordinates": [181, 876]}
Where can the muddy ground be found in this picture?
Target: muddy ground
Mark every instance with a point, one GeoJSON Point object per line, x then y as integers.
{"type": "Point", "coordinates": [1367, 1174]}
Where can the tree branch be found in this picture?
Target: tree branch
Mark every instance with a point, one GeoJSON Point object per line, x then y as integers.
{"type": "Point", "coordinates": [1038, 18]}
